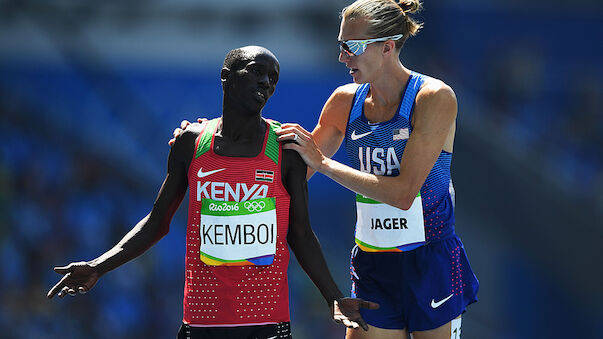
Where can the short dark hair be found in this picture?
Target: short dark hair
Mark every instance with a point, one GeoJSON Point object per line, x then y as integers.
{"type": "Point", "coordinates": [235, 58]}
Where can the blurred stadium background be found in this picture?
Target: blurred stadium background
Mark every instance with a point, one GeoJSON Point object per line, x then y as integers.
{"type": "Point", "coordinates": [91, 91]}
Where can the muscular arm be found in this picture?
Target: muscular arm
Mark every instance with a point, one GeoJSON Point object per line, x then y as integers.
{"type": "Point", "coordinates": [330, 129]}
{"type": "Point", "coordinates": [156, 224]}
{"type": "Point", "coordinates": [83, 275]}
{"type": "Point", "coordinates": [305, 246]}
{"type": "Point", "coordinates": [434, 117]}
{"type": "Point", "coordinates": [301, 238]}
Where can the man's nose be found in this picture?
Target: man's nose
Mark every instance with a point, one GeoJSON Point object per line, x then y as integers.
{"type": "Point", "coordinates": [264, 80]}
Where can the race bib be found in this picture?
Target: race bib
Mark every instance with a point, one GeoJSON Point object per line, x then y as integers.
{"type": "Point", "coordinates": [238, 233]}
{"type": "Point", "coordinates": [384, 228]}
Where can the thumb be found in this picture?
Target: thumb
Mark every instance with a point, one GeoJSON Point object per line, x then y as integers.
{"type": "Point", "coordinates": [63, 269]}
{"type": "Point", "coordinates": [369, 305]}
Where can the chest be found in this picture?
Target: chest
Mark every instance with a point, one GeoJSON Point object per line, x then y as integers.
{"type": "Point", "coordinates": [375, 113]}
{"type": "Point", "coordinates": [245, 148]}
{"type": "Point", "coordinates": [226, 179]}
{"type": "Point", "coordinates": [377, 148]}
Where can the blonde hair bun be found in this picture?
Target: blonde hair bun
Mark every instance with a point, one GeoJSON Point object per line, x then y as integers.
{"type": "Point", "coordinates": [410, 6]}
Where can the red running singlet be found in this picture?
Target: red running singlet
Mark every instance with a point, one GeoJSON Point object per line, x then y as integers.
{"type": "Point", "coordinates": [219, 293]}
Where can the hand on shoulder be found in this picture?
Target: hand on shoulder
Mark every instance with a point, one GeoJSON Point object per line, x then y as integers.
{"type": "Point", "coordinates": [184, 125]}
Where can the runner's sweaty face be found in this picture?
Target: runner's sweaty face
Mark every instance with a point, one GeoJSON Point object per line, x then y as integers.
{"type": "Point", "coordinates": [363, 67]}
{"type": "Point", "coordinates": [254, 81]}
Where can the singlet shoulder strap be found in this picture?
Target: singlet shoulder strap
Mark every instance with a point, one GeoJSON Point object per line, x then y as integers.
{"type": "Point", "coordinates": [414, 85]}
{"type": "Point", "coordinates": [358, 103]}
{"type": "Point", "coordinates": [272, 145]}
{"type": "Point", "coordinates": [205, 137]}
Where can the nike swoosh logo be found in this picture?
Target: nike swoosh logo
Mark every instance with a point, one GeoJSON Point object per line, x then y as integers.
{"type": "Point", "coordinates": [435, 304]}
{"type": "Point", "coordinates": [272, 337]}
{"type": "Point", "coordinates": [202, 174]}
{"type": "Point", "coordinates": [355, 136]}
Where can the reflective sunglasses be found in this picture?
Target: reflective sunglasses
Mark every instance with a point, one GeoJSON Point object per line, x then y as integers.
{"type": "Point", "coordinates": [357, 47]}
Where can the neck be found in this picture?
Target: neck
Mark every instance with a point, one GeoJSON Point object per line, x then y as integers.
{"type": "Point", "coordinates": [237, 125]}
{"type": "Point", "coordinates": [387, 87]}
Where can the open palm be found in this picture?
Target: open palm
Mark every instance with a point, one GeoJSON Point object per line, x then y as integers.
{"type": "Point", "coordinates": [347, 311]}
{"type": "Point", "coordinates": [77, 277]}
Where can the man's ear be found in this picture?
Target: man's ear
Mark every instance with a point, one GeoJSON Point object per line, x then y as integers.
{"type": "Point", "coordinates": [224, 74]}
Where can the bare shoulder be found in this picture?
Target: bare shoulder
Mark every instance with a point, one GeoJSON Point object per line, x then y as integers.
{"type": "Point", "coordinates": [347, 89]}
{"type": "Point", "coordinates": [293, 167]}
{"type": "Point", "coordinates": [436, 94]}
{"type": "Point", "coordinates": [185, 143]}
{"type": "Point", "coordinates": [336, 109]}
{"type": "Point", "coordinates": [192, 131]}
{"type": "Point", "coordinates": [343, 95]}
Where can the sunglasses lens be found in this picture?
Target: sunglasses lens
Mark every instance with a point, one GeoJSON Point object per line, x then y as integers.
{"type": "Point", "coordinates": [345, 48]}
{"type": "Point", "coordinates": [356, 48]}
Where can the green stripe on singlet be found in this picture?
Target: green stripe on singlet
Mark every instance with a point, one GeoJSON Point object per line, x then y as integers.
{"type": "Point", "coordinates": [272, 146]}
{"type": "Point", "coordinates": [205, 140]}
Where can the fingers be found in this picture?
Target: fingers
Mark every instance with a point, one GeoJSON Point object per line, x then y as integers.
{"type": "Point", "coordinates": [350, 324]}
{"type": "Point", "coordinates": [58, 287]}
{"type": "Point", "coordinates": [341, 319]}
{"type": "Point", "coordinates": [177, 132]}
{"type": "Point", "coordinates": [348, 321]}
{"type": "Point", "coordinates": [289, 136]}
{"type": "Point", "coordinates": [346, 312]}
{"type": "Point", "coordinates": [297, 130]}
{"type": "Point", "coordinates": [184, 123]}
{"type": "Point", "coordinates": [52, 292]}
{"type": "Point", "coordinates": [293, 128]}
{"type": "Point", "coordinates": [362, 324]}
{"type": "Point", "coordinates": [61, 289]}
{"type": "Point", "coordinates": [298, 135]}
{"type": "Point", "coordinates": [63, 292]}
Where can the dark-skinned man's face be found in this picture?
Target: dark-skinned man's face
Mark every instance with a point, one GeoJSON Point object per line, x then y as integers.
{"type": "Point", "coordinates": [254, 82]}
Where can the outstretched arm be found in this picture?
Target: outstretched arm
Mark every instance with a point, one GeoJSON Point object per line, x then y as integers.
{"type": "Point", "coordinates": [305, 246]}
{"type": "Point", "coordinates": [433, 129]}
{"type": "Point", "coordinates": [82, 276]}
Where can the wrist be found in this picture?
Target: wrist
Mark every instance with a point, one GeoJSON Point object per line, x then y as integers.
{"type": "Point", "coordinates": [98, 266]}
{"type": "Point", "coordinates": [323, 165]}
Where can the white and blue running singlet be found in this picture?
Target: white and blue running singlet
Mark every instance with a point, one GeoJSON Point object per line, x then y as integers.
{"type": "Point", "coordinates": [377, 148]}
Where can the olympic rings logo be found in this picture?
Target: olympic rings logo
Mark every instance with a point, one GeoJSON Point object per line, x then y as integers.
{"type": "Point", "coordinates": [254, 206]}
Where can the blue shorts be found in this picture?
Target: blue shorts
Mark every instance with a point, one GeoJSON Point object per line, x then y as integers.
{"type": "Point", "coordinates": [418, 290]}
